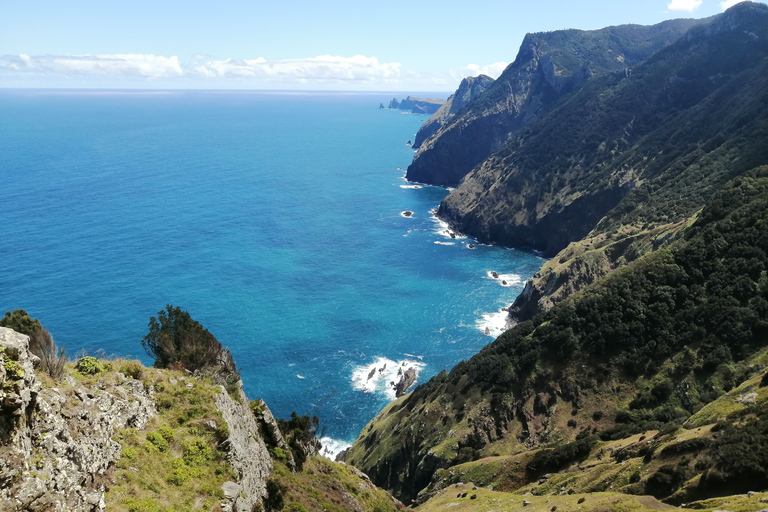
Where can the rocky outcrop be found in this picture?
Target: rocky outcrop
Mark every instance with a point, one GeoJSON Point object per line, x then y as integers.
{"type": "Point", "coordinates": [248, 455]}
{"type": "Point", "coordinates": [417, 105]}
{"type": "Point", "coordinates": [469, 89]}
{"type": "Point", "coordinates": [548, 67]}
{"type": "Point", "coordinates": [271, 432]}
{"type": "Point", "coordinates": [57, 442]}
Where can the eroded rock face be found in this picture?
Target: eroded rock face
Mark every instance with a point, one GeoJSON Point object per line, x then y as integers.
{"type": "Point", "coordinates": [57, 442]}
{"type": "Point", "coordinates": [248, 455]}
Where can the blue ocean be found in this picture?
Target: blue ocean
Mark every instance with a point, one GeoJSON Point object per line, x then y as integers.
{"type": "Point", "coordinates": [275, 219]}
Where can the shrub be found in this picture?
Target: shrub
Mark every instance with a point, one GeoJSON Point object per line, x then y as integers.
{"type": "Point", "coordinates": [132, 369]}
{"type": "Point", "coordinates": [556, 459]}
{"type": "Point", "coordinates": [665, 481]}
{"type": "Point", "coordinates": [52, 359]}
{"type": "Point", "coordinates": [13, 370]}
{"type": "Point", "coordinates": [89, 366]}
{"type": "Point", "coordinates": [274, 499]}
{"type": "Point", "coordinates": [20, 321]}
{"type": "Point", "coordinates": [166, 432]}
{"type": "Point", "coordinates": [158, 440]}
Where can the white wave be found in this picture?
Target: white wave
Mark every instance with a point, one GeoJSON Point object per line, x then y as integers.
{"type": "Point", "coordinates": [493, 324]}
{"type": "Point", "coordinates": [411, 186]}
{"type": "Point", "coordinates": [300, 376]}
{"type": "Point", "coordinates": [505, 279]}
{"type": "Point", "coordinates": [444, 243]}
{"type": "Point", "coordinates": [510, 279]}
{"type": "Point", "coordinates": [380, 376]}
{"type": "Point", "coordinates": [443, 228]}
{"type": "Point", "coordinates": [332, 447]}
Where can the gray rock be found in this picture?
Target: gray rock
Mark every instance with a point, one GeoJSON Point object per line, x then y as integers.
{"type": "Point", "coordinates": [231, 490]}
{"type": "Point", "coordinates": [61, 441]}
{"type": "Point", "coordinates": [247, 452]}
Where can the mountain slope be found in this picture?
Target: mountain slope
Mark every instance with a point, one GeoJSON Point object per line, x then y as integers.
{"type": "Point", "coordinates": [645, 347]}
{"type": "Point", "coordinates": [618, 167]}
{"type": "Point", "coordinates": [469, 89]}
{"type": "Point", "coordinates": [548, 66]}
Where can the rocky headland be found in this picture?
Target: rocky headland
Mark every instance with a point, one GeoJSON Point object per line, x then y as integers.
{"type": "Point", "coordinates": [416, 105]}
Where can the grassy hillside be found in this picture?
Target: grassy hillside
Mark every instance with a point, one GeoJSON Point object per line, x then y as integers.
{"type": "Point", "coordinates": [644, 349]}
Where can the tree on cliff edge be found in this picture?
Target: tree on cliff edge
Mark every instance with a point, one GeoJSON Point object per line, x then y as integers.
{"type": "Point", "coordinates": [175, 339]}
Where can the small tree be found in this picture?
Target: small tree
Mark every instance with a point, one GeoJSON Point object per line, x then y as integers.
{"type": "Point", "coordinates": [301, 434]}
{"type": "Point", "coordinates": [20, 321]}
{"type": "Point", "coordinates": [175, 338]}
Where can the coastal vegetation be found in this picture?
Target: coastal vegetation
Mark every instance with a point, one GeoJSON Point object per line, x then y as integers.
{"type": "Point", "coordinates": [648, 351]}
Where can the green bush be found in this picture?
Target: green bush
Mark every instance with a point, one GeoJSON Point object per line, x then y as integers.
{"type": "Point", "coordinates": [166, 432]}
{"type": "Point", "coordinates": [89, 366]}
{"type": "Point", "coordinates": [175, 339]}
{"type": "Point", "coordinates": [158, 441]}
{"type": "Point", "coordinates": [13, 370]}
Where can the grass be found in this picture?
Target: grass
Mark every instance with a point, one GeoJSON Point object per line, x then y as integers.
{"type": "Point", "coordinates": [175, 463]}
{"type": "Point", "coordinates": [328, 486]}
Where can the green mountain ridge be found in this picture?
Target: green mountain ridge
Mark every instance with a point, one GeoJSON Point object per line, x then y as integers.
{"type": "Point", "coordinates": [652, 309]}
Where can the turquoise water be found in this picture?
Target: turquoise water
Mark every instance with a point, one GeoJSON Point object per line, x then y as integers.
{"type": "Point", "coordinates": [273, 218]}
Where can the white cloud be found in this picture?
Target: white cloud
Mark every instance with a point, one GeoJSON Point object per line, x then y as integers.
{"type": "Point", "coordinates": [323, 68]}
{"type": "Point", "coordinates": [148, 66]}
{"type": "Point", "coordinates": [492, 70]}
{"type": "Point", "coordinates": [684, 5]}
{"type": "Point", "coordinates": [727, 4]}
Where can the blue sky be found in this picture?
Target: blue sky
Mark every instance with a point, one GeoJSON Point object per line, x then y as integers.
{"type": "Point", "coordinates": [291, 44]}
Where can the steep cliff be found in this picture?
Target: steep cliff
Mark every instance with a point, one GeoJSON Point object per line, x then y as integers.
{"type": "Point", "coordinates": [548, 67]}
{"type": "Point", "coordinates": [469, 89]}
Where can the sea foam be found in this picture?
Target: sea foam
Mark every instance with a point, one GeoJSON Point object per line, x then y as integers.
{"type": "Point", "coordinates": [332, 447]}
{"type": "Point", "coordinates": [381, 375]}
{"type": "Point", "coordinates": [493, 324]}
{"type": "Point", "coordinates": [505, 280]}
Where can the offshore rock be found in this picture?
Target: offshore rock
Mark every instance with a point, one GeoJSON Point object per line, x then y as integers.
{"type": "Point", "coordinates": [417, 105]}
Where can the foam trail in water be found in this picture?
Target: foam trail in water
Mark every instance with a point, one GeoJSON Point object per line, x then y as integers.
{"type": "Point", "coordinates": [493, 324]}
{"type": "Point", "coordinates": [332, 447]}
{"type": "Point", "coordinates": [381, 375]}
{"type": "Point", "coordinates": [443, 228]}
{"type": "Point", "coordinates": [505, 279]}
